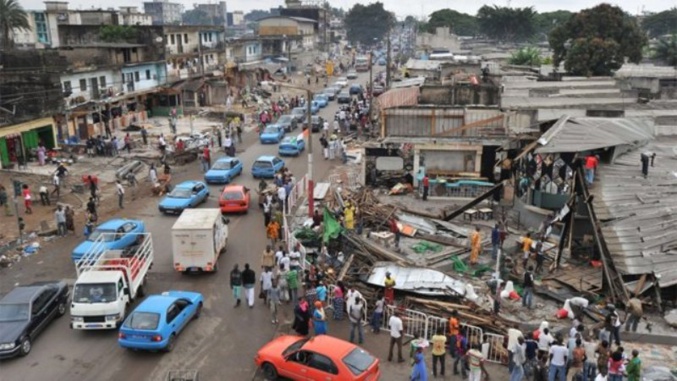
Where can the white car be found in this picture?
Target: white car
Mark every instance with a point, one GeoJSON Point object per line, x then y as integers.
{"type": "Point", "coordinates": [341, 81]}
{"type": "Point", "coordinates": [351, 74]}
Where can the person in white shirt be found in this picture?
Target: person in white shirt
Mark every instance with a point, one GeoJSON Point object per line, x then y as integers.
{"type": "Point", "coordinates": [558, 361]}
{"type": "Point", "coordinates": [44, 195]}
{"type": "Point", "coordinates": [279, 254]}
{"type": "Point", "coordinates": [285, 262]}
{"type": "Point", "coordinates": [519, 358]}
{"type": "Point", "coordinates": [325, 127]}
{"type": "Point", "coordinates": [590, 364]}
{"type": "Point", "coordinates": [336, 126]}
{"type": "Point", "coordinates": [121, 193]}
{"type": "Point", "coordinates": [295, 258]}
{"type": "Point", "coordinates": [544, 341]}
{"type": "Point", "coordinates": [266, 283]}
{"type": "Point", "coordinates": [342, 115]}
{"type": "Point", "coordinates": [351, 296]}
{"type": "Point", "coordinates": [396, 333]}
{"type": "Point", "coordinates": [601, 376]}
{"type": "Point", "coordinates": [282, 195]}
{"type": "Point", "coordinates": [378, 314]}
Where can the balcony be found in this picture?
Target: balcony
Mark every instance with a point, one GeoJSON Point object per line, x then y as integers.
{"type": "Point", "coordinates": [174, 75]}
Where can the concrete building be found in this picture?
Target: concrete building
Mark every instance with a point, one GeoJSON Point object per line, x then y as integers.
{"type": "Point", "coordinates": [319, 15]}
{"type": "Point", "coordinates": [652, 82]}
{"type": "Point", "coordinates": [281, 26]}
{"type": "Point", "coordinates": [132, 16]}
{"type": "Point", "coordinates": [441, 39]}
{"type": "Point", "coordinates": [217, 12]}
{"type": "Point", "coordinates": [237, 18]}
{"type": "Point", "coordinates": [192, 51]}
{"type": "Point", "coordinates": [163, 12]}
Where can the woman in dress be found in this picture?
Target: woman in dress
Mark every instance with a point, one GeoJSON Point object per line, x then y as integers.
{"type": "Point", "coordinates": [301, 317]}
{"type": "Point", "coordinates": [41, 154]}
{"type": "Point", "coordinates": [339, 300]}
{"type": "Point", "coordinates": [319, 319]}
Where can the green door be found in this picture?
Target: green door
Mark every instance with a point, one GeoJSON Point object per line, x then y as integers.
{"type": "Point", "coordinates": [30, 139]}
{"type": "Point", "coordinates": [4, 153]}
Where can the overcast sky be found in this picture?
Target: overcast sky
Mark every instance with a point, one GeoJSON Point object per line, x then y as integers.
{"type": "Point", "coordinates": [402, 8]}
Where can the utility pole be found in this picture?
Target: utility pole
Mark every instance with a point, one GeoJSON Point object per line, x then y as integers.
{"type": "Point", "coordinates": [371, 84]}
{"type": "Point", "coordinates": [388, 61]}
{"type": "Point", "coordinates": [199, 53]}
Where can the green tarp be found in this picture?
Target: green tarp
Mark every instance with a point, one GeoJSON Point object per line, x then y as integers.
{"type": "Point", "coordinates": [332, 228]}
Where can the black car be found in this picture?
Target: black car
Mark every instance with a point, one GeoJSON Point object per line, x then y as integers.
{"type": "Point", "coordinates": [288, 122]}
{"type": "Point", "coordinates": [330, 93]}
{"type": "Point", "coordinates": [318, 123]}
{"type": "Point", "coordinates": [300, 113]}
{"type": "Point", "coordinates": [344, 97]}
{"type": "Point", "coordinates": [355, 89]}
{"type": "Point", "coordinates": [26, 311]}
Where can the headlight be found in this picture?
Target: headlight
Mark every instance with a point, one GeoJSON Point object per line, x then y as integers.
{"type": "Point", "coordinates": [77, 319]}
{"type": "Point", "coordinates": [112, 317]}
{"type": "Point", "coordinates": [7, 346]}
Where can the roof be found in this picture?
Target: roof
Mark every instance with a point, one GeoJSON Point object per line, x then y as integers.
{"type": "Point", "coordinates": [639, 216]}
{"type": "Point", "coordinates": [299, 19]}
{"type": "Point", "coordinates": [645, 71]}
{"type": "Point", "coordinates": [328, 344]}
{"type": "Point", "coordinates": [226, 159]}
{"type": "Point", "coordinates": [408, 82]}
{"type": "Point", "coordinates": [407, 96]}
{"type": "Point", "coordinates": [197, 219]}
{"type": "Point", "coordinates": [189, 184]}
{"type": "Point", "coordinates": [414, 64]}
{"type": "Point", "coordinates": [113, 224]}
{"type": "Point", "coordinates": [190, 85]}
{"type": "Point", "coordinates": [112, 45]}
{"type": "Point", "coordinates": [156, 303]}
{"type": "Point", "coordinates": [585, 134]}
{"type": "Point", "coordinates": [418, 280]}
{"type": "Point", "coordinates": [103, 276]}
{"type": "Point", "coordinates": [22, 294]}
{"type": "Point", "coordinates": [265, 158]}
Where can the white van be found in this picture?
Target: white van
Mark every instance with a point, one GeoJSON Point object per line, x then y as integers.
{"type": "Point", "coordinates": [199, 237]}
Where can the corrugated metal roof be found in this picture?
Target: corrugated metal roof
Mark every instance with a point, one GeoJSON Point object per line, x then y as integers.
{"type": "Point", "coordinates": [638, 215]}
{"type": "Point", "coordinates": [408, 82]}
{"type": "Point", "coordinates": [407, 96]}
{"type": "Point", "coordinates": [414, 64]}
{"type": "Point", "coordinates": [645, 71]}
{"type": "Point", "coordinates": [585, 134]}
{"type": "Point", "coordinates": [419, 280]}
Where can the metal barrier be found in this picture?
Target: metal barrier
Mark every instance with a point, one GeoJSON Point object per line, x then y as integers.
{"type": "Point", "coordinates": [493, 348]}
{"type": "Point", "coordinates": [415, 323]}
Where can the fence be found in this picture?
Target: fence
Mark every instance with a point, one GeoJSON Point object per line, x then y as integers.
{"type": "Point", "coordinates": [297, 192]}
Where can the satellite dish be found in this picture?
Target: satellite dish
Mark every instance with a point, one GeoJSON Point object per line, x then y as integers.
{"type": "Point", "coordinates": [158, 39]}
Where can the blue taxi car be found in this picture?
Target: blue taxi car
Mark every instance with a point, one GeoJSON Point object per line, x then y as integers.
{"type": "Point", "coordinates": [224, 170]}
{"type": "Point", "coordinates": [115, 234]}
{"type": "Point", "coordinates": [291, 146]}
{"type": "Point", "coordinates": [314, 107]}
{"type": "Point", "coordinates": [321, 99]}
{"type": "Point", "coordinates": [187, 194]}
{"type": "Point", "coordinates": [272, 134]}
{"type": "Point", "coordinates": [158, 320]}
{"type": "Point", "coordinates": [266, 166]}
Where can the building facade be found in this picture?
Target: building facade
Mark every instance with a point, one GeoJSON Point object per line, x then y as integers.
{"type": "Point", "coordinates": [163, 12]}
{"type": "Point", "coordinates": [287, 26]}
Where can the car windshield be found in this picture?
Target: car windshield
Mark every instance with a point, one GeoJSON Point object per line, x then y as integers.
{"type": "Point", "coordinates": [271, 130]}
{"type": "Point", "coordinates": [262, 164]}
{"type": "Point", "coordinates": [143, 320]}
{"type": "Point", "coordinates": [94, 293]}
{"type": "Point", "coordinates": [284, 119]}
{"type": "Point", "coordinates": [221, 165]}
{"type": "Point", "coordinates": [358, 361]}
{"type": "Point", "coordinates": [14, 312]}
{"type": "Point", "coordinates": [180, 193]}
{"type": "Point", "coordinates": [230, 196]}
{"type": "Point", "coordinates": [103, 235]}
{"type": "Point", "coordinates": [299, 111]}
{"type": "Point", "coordinates": [294, 347]}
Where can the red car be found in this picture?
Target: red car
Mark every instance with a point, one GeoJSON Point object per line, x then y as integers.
{"type": "Point", "coordinates": [321, 357]}
{"type": "Point", "coordinates": [234, 199]}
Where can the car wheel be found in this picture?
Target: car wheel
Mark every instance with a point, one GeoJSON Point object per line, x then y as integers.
{"type": "Point", "coordinates": [61, 309]}
{"type": "Point", "coordinates": [198, 311]}
{"type": "Point", "coordinates": [171, 343]}
{"type": "Point", "coordinates": [269, 371]}
{"type": "Point", "coordinates": [25, 346]}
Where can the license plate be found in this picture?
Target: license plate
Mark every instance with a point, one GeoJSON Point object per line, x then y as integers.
{"type": "Point", "coordinates": [94, 326]}
{"type": "Point", "coordinates": [141, 337]}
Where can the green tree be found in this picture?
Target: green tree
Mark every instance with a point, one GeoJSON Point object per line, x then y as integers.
{"type": "Point", "coordinates": [12, 16]}
{"type": "Point", "coordinates": [118, 33]}
{"type": "Point", "coordinates": [661, 23]}
{"type": "Point", "coordinates": [460, 23]}
{"type": "Point", "coordinates": [596, 41]}
{"type": "Point", "coordinates": [366, 23]}
{"type": "Point", "coordinates": [527, 56]}
{"type": "Point", "coordinates": [507, 24]}
{"type": "Point", "coordinates": [666, 50]}
{"type": "Point", "coordinates": [546, 22]}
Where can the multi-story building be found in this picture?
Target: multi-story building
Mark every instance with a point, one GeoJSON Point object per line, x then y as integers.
{"type": "Point", "coordinates": [286, 26]}
{"type": "Point", "coordinates": [216, 12]}
{"type": "Point", "coordinates": [163, 12]}
{"type": "Point", "coordinates": [319, 15]}
{"type": "Point", "coordinates": [192, 51]}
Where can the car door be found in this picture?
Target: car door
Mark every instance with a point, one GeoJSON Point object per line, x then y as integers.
{"type": "Point", "coordinates": [295, 366]}
{"type": "Point", "coordinates": [238, 166]}
{"type": "Point", "coordinates": [39, 313]}
{"type": "Point", "coordinates": [52, 301]}
{"type": "Point", "coordinates": [322, 368]}
{"type": "Point", "coordinates": [277, 164]}
{"type": "Point", "coordinates": [185, 312]}
{"type": "Point", "coordinates": [172, 323]}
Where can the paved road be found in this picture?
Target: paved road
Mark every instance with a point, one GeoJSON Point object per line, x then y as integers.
{"type": "Point", "coordinates": [223, 338]}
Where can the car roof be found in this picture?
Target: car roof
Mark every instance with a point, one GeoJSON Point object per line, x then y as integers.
{"type": "Point", "coordinates": [328, 344]}
{"type": "Point", "coordinates": [226, 159]}
{"type": "Point", "coordinates": [115, 223]}
{"type": "Point", "coordinates": [355, 85]}
{"type": "Point", "coordinates": [24, 294]}
{"type": "Point", "coordinates": [345, 92]}
{"type": "Point", "coordinates": [265, 158]}
{"type": "Point", "coordinates": [233, 188]}
{"type": "Point", "coordinates": [289, 139]}
{"type": "Point", "coordinates": [156, 303]}
{"type": "Point", "coordinates": [189, 184]}
{"type": "Point", "coordinates": [276, 125]}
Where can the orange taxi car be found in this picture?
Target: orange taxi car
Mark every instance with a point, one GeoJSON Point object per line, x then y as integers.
{"type": "Point", "coordinates": [317, 358]}
{"type": "Point", "coordinates": [234, 199]}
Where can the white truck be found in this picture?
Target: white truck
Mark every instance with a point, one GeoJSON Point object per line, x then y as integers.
{"type": "Point", "coordinates": [108, 282]}
{"type": "Point", "coordinates": [199, 236]}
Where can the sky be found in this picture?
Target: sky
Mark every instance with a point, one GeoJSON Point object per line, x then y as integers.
{"type": "Point", "coordinates": [402, 8]}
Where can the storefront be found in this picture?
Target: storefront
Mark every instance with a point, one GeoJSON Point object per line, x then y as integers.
{"type": "Point", "coordinates": [18, 142]}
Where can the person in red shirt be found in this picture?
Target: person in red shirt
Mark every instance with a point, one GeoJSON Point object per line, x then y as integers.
{"type": "Point", "coordinates": [426, 187]}
{"type": "Point", "coordinates": [28, 199]}
{"type": "Point", "coordinates": [590, 166]}
{"type": "Point", "coordinates": [395, 230]}
{"type": "Point", "coordinates": [207, 158]}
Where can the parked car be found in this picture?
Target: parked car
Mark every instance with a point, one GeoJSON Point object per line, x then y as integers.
{"type": "Point", "coordinates": [321, 99]}
{"type": "Point", "coordinates": [321, 357]}
{"type": "Point", "coordinates": [342, 81]}
{"type": "Point", "coordinates": [235, 199]}
{"type": "Point", "coordinates": [314, 107]}
{"type": "Point", "coordinates": [158, 320]}
{"type": "Point", "coordinates": [26, 311]}
{"type": "Point", "coordinates": [300, 113]}
{"type": "Point", "coordinates": [288, 122]}
{"type": "Point", "coordinates": [224, 170]}
{"type": "Point", "coordinates": [266, 166]}
{"type": "Point", "coordinates": [382, 61]}
{"type": "Point", "coordinates": [119, 234]}
{"type": "Point", "coordinates": [355, 89]}
{"type": "Point", "coordinates": [344, 97]}
{"type": "Point", "coordinates": [272, 134]}
{"type": "Point", "coordinates": [291, 146]}
{"type": "Point", "coordinates": [318, 123]}
{"type": "Point", "coordinates": [351, 74]}
{"type": "Point", "coordinates": [187, 194]}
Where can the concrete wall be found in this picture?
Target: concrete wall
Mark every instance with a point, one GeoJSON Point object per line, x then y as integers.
{"type": "Point", "coordinates": [150, 76]}
{"type": "Point", "coordinates": [435, 121]}
{"type": "Point", "coordinates": [441, 39]}
{"type": "Point", "coordinates": [80, 94]}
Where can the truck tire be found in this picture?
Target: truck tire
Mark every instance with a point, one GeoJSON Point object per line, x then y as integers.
{"type": "Point", "coordinates": [141, 292]}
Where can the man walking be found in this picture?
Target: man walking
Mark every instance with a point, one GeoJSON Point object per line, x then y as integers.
{"type": "Point", "coordinates": [396, 333]}
{"type": "Point", "coordinates": [236, 284]}
{"type": "Point", "coordinates": [475, 246]}
{"type": "Point", "coordinates": [577, 360]}
{"type": "Point", "coordinates": [356, 314]}
{"type": "Point", "coordinates": [121, 193]}
{"type": "Point", "coordinates": [528, 294]}
{"type": "Point", "coordinates": [426, 187]}
{"type": "Point", "coordinates": [633, 315]}
{"type": "Point", "coordinates": [248, 282]}
{"type": "Point", "coordinates": [4, 201]}
{"type": "Point", "coordinates": [518, 358]}
{"type": "Point", "coordinates": [273, 297]}
{"type": "Point", "coordinates": [591, 162]}
{"type": "Point", "coordinates": [495, 242]}
{"type": "Point", "coordinates": [439, 342]}
{"type": "Point", "coordinates": [60, 216]}
{"type": "Point", "coordinates": [558, 361]}
{"type": "Point", "coordinates": [293, 283]}
{"type": "Point", "coordinates": [44, 195]}
{"type": "Point", "coordinates": [476, 364]}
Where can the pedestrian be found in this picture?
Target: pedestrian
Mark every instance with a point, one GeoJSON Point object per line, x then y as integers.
{"type": "Point", "coordinates": [206, 154]}
{"type": "Point", "coordinates": [268, 258]}
{"type": "Point", "coordinates": [293, 283]}
{"type": "Point", "coordinates": [283, 259]}
{"type": "Point", "coordinates": [634, 368]}
{"type": "Point", "coordinates": [121, 193]}
{"type": "Point", "coordinates": [527, 242]}
{"type": "Point", "coordinates": [56, 181]}
{"type": "Point", "coordinates": [267, 206]}
{"type": "Point", "coordinates": [377, 316]}
{"type": "Point", "coordinates": [152, 174]}
{"type": "Point", "coordinates": [128, 143]}
{"type": "Point", "coordinates": [616, 364]}
{"type": "Point", "coordinates": [603, 355]}
{"type": "Point", "coordinates": [439, 342]}
{"type": "Point", "coordinates": [4, 200]}
{"type": "Point", "coordinates": [601, 376]}
{"type": "Point", "coordinates": [281, 278]}
{"type": "Point", "coordinates": [396, 333]}
{"type": "Point", "coordinates": [319, 319]}
{"type": "Point", "coordinates": [590, 363]}
{"type": "Point", "coordinates": [476, 360]}
{"type": "Point", "coordinates": [91, 209]}
{"type": "Point", "coordinates": [530, 351]}
{"type": "Point", "coordinates": [70, 219]}
{"type": "Point", "coordinates": [236, 284]}
{"type": "Point", "coordinates": [545, 339]}
{"type": "Point", "coordinates": [613, 321]}
{"type": "Point", "coordinates": [419, 371]}
{"type": "Point", "coordinates": [144, 136]}
{"type": "Point", "coordinates": [389, 291]}
{"type": "Point", "coordinates": [475, 246]}
{"type": "Point", "coordinates": [646, 158]}
{"type": "Point", "coordinates": [518, 359]}
{"type": "Point", "coordinates": [93, 188]}
{"type": "Point", "coordinates": [528, 291]}
{"type": "Point", "coordinates": [238, 131]}
{"type": "Point", "coordinates": [495, 241]}
{"type": "Point", "coordinates": [395, 230]}
{"type": "Point", "coordinates": [248, 282]}
{"type": "Point", "coordinates": [44, 195]}
{"type": "Point", "coordinates": [273, 231]}
{"type": "Point", "coordinates": [426, 187]}
{"type": "Point", "coordinates": [41, 154]}
{"type": "Point", "coordinates": [301, 322]}
{"type": "Point", "coordinates": [321, 291]}
{"type": "Point", "coordinates": [578, 358]}
{"type": "Point", "coordinates": [89, 226]}
{"type": "Point", "coordinates": [266, 281]}
{"type": "Point", "coordinates": [454, 328]}
{"type": "Point", "coordinates": [558, 361]}
{"type": "Point", "coordinates": [633, 314]}
{"type": "Point", "coordinates": [356, 316]}
{"type": "Point", "coordinates": [591, 162]}
{"type": "Point", "coordinates": [338, 302]}
{"type": "Point", "coordinates": [26, 192]}
{"type": "Point", "coordinates": [273, 295]}
{"type": "Point", "coordinates": [60, 217]}
{"type": "Point", "coordinates": [497, 296]}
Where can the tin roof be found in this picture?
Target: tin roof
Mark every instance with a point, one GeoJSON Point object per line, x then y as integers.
{"type": "Point", "coordinates": [418, 280]}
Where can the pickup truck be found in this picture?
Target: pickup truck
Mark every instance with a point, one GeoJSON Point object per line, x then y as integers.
{"type": "Point", "coordinates": [108, 282]}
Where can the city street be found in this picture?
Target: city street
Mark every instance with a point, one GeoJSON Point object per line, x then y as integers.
{"type": "Point", "coordinates": [224, 338]}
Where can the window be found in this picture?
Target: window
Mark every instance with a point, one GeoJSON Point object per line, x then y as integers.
{"type": "Point", "coordinates": [136, 76]}
{"type": "Point", "coordinates": [172, 39]}
{"type": "Point", "coordinates": [172, 313]}
{"type": "Point", "coordinates": [322, 363]}
{"type": "Point", "coordinates": [67, 86]}
{"type": "Point", "coordinates": [185, 38]}
{"type": "Point", "coordinates": [41, 301]}
{"type": "Point", "coordinates": [121, 285]}
{"type": "Point", "coordinates": [83, 85]}
{"type": "Point", "coordinates": [102, 81]}
{"type": "Point", "coordinates": [147, 74]}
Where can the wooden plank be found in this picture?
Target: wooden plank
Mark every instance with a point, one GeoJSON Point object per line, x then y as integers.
{"type": "Point", "coordinates": [640, 284]}
{"type": "Point", "coordinates": [474, 202]}
{"type": "Point", "coordinates": [346, 267]}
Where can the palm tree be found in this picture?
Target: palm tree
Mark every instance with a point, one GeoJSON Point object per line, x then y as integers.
{"type": "Point", "coordinates": [666, 50]}
{"type": "Point", "coordinates": [12, 16]}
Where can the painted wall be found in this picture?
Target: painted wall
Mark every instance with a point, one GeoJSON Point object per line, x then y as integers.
{"type": "Point", "coordinates": [148, 77]}
{"type": "Point", "coordinates": [110, 78]}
